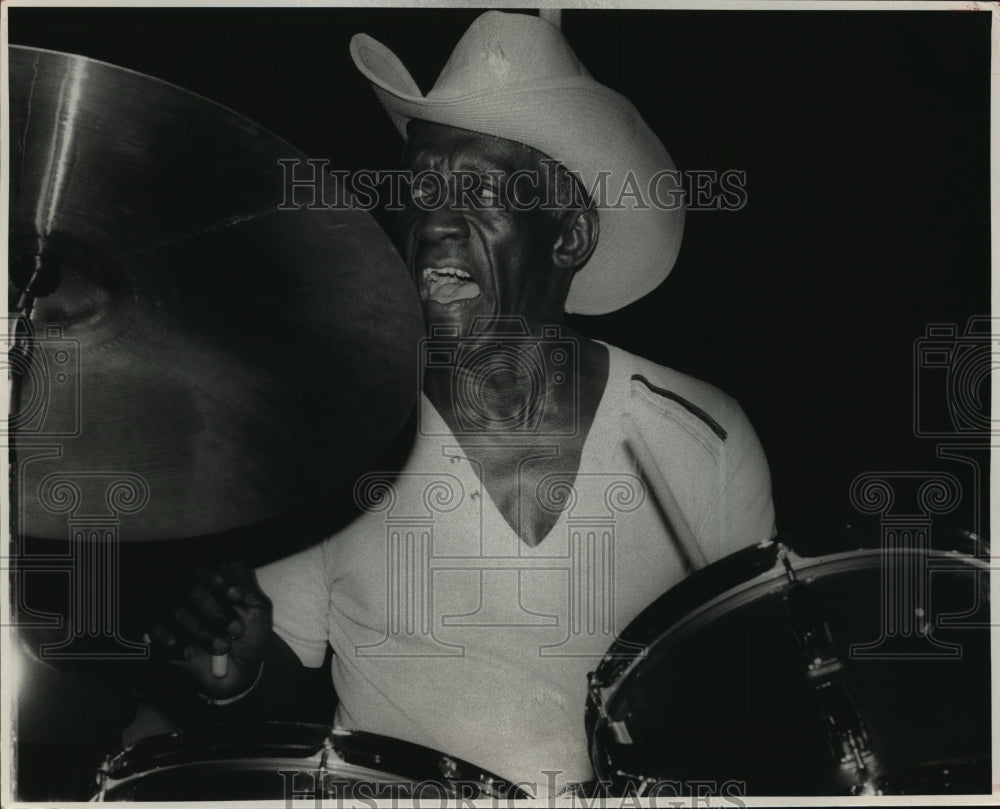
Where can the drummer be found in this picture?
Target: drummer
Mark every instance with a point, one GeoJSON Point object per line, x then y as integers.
{"type": "Point", "coordinates": [466, 607]}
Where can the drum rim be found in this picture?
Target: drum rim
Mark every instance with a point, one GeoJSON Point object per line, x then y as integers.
{"type": "Point", "coordinates": [679, 602]}
{"type": "Point", "coordinates": [136, 757]}
{"type": "Point", "coordinates": [687, 598]}
{"type": "Point", "coordinates": [687, 603]}
{"type": "Point", "coordinates": [224, 743]}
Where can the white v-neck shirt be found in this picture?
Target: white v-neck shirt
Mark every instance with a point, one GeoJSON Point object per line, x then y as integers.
{"type": "Point", "coordinates": [451, 632]}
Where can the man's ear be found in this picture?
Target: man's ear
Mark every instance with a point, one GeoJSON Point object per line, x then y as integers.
{"type": "Point", "coordinates": [577, 240]}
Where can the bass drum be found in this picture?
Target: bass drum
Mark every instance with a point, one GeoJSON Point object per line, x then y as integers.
{"type": "Point", "coordinates": [766, 673]}
{"type": "Point", "coordinates": [289, 761]}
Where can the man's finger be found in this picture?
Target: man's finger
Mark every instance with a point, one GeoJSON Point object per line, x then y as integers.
{"type": "Point", "coordinates": [219, 581]}
{"type": "Point", "coordinates": [210, 608]}
{"type": "Point", "coordinates": [197, 631]}
{"type": "Point", "coordinates": [236, 629]}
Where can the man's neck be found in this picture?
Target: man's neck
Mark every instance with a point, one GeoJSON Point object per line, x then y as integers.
{"type": "Point", "coordinates": [502, 387]}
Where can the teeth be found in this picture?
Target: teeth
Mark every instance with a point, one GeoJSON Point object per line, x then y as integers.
{"type": "Point", "coordinates": [433, 273]}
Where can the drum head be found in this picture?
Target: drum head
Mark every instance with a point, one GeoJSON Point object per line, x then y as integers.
{"type": "Point", "coordinates": [723, 694]}
{"type": "Point", "coordinates": [290, 761]}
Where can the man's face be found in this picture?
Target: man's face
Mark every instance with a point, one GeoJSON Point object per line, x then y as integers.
{"type": "Point", "coordinates": [475, 255]}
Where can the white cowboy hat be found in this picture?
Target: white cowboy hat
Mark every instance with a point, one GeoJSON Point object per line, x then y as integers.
{"type": "Point", "coordinates": [514, 76]}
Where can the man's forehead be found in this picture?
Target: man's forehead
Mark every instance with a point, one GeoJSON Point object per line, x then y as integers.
{"type": "Point", "coordinates": [429, 143]}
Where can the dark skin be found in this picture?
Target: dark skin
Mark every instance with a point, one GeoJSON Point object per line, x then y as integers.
{"type": "Point", "coordinates": [522, 263]}
{"type": "Point", "coordinates": [518, 263]}
{"type": "Point", "coordinates": [222, 612]}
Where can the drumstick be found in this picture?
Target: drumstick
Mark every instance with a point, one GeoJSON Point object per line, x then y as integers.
{"type": "Point", "coordinates": [220, 665]}
{"type": "Point", "coordinates": [664, 496]}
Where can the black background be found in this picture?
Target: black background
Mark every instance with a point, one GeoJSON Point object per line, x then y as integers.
{"type": "Point", "coordinates": [864, 136]}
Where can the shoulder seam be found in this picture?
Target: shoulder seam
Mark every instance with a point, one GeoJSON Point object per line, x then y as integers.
{"type": "Point", "coordinates": [692, 408]}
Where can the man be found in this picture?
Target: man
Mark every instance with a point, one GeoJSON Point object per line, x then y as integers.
{"type": "Point", "coordinates": [557, 485]}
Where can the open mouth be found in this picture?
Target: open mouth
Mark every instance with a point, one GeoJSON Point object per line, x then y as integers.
{"type": "Point", "coordinates": [446, 285]}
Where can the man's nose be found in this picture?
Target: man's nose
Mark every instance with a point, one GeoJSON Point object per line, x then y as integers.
{"type": "Point", "coordinates": [442, 223]}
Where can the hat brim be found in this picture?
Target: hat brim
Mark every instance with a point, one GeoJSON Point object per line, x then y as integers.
{"type": "Point", "coordinates": [593, 131]}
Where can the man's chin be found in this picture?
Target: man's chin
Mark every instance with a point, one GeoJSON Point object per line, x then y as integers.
{"type": "Point", "coordinates": [459, 314]}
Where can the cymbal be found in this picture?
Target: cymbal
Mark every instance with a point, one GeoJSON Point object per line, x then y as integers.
{"type": "Point", "coordinates": [201, 359]}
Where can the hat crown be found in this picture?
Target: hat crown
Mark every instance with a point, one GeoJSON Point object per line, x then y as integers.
{"type": "Point", "coordinates": [501, 48]}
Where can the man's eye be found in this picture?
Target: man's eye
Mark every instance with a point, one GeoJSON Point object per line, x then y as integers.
{"type": "Point", "coordinates": [487, 195]}
{"type": "Point", "coordinates": [425, 192]}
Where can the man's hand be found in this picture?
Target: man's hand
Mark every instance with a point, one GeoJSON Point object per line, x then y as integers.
{"type": "Point", "coordinates": [223, 612]}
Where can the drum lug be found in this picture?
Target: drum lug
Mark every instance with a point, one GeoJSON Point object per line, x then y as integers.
{"type": "Point", "coordinates": [488, 785]}
{"type": "Point", "coordinates": [325, 756]}
{"type": "Point", "coordinates": [621, 734]}
{"type": "Point", "coordinates": [617, 728]}
{"type": "Point", "coordinates": [102, 780]}
{"type": "Point", "coordinates": [597, 695]}
{"type": "Point", "coordinates": [321, 772]}
{"type": "Point", "coordinates": [786, 564]}
{"type": "Point", "coordinates": [640, 783]}
{"type": "Point", "coordinates": [448, 767]}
